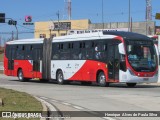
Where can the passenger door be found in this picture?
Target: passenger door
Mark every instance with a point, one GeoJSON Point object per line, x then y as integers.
{"type": "Point", "coordinates": [36, 62]}
{"type": "Point", "coordinates": [113, 62]}
{"type": "Point", "coordinates": [11, 61]}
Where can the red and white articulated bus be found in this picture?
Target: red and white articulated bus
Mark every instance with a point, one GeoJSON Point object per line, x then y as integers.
{"type": "Point", "coordinates": [103, 57]}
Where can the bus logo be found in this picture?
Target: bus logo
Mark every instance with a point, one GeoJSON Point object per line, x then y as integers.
{"type": "Point", "coordinates": [28, 18]}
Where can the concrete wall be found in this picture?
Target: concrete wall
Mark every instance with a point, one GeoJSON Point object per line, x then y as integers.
{"type": "Point", "coordinates": [139, 27]}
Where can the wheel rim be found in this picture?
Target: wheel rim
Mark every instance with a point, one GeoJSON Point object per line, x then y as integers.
{"type": "Point", "coordinates": [60, 78]}
{"type": "Point", "coordinates": [20, 75]}
{"type": "Point", "coordinates": [102, 79]}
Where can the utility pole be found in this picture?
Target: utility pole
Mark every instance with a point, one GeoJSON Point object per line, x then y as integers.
{"type": "Point", "coordinates": [148, 14]}
{"type": "Point", "coordinates": [58, 22]}
{"type": "Point", "coordinates": [102, 16]}
{"type": "Point", "coordinates": [13, 22]}
{"type": "Point", "coordinates": [17, 31]}
{"type": "Point", "coordinates": [69, 9]}
{"type": "Point", "coordinates": [12, 35]}
{"type": "Point", "coordinates": [129, 16]}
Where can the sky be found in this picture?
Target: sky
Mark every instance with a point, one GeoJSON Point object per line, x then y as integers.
{"type": "Point", "coordinates": [45, 10]}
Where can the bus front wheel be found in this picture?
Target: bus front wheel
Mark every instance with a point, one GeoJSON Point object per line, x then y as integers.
{"type": "Point", "coordinates": [102, 80]}
{"type": "Point", "coordinates": [60, 78]}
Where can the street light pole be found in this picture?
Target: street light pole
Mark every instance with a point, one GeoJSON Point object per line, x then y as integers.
{"type": "Point", "coordinates": [102, 16]}
{"type": "Point", "coordinates": [17, 31]}
{"type": "Point", "coordinates": [58, 22]}
{"type": "Point", "coordinates": [129, 16]}
{"type": "Point", "coordinates": [13, 22]}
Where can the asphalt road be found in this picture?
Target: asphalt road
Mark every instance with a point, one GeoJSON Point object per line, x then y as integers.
{"type": "Point", "coordinates": [1, 66]}
{"type": "Point", "coordinates": [76, 97]}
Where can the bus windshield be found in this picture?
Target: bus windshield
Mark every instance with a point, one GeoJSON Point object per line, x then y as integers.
{"type": "Point", "coordinates": [142, 55]}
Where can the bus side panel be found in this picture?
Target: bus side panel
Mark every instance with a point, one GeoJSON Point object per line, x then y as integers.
{"type": "Point", "coordinates": [68, 67]}
{"type": "Point", "coordinates": [6, 71]}
{"type": "Point", "coordinates": [26, 66]}
{"type": "Point", "coordinates": [8, 66]}
{"type": "Point", "coordinates": [89, 71]}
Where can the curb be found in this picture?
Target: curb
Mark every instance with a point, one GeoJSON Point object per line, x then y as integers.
{"type": "Point", "coordinates": [45, 109]}
{"type": "Point", "coordinates": [1, 102]}
{"type": "Point", "coordinates": [49, 109]}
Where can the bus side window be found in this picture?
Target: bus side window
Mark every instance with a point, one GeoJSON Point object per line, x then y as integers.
{"type": "Point", "coordinates": [55, 51]}
{"type": "Point", "coordinates": [29, 52]}
{"type": "Point", "coordinates": [12, 52]}
{"type": "Point", "coordinates": [20, 52]}
{"type": "Point", "coordinates": [97, 51]}
{"type": "Point", "coordinates": [75, 51]}
{"type": "Point", "coordinates": [89, 50]}
{"type": "Point", "coordinates": [8, 47]}
{"type": "Point", "coordinates": [104, 52]}
{"type": "Point", "coordinates": [65, 52]}
{"type": "Point", "coordinates": [81, 53]}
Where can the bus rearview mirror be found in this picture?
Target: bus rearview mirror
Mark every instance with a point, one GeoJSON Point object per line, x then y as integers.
{"type": "Point", "coordinates": [121, 48]}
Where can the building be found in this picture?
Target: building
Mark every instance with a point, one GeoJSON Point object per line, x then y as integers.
{"type": "Point", "coordinates": [145, 28]}
{"type": "Point", "coordinates": [59, 28]}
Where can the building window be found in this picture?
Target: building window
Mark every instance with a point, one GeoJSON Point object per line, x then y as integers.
{"type": "Point", "coordinates": [63, 34]}
{"type": "Point", "coordinates": [53, 35]}
{"type": "Point", "coordinates": [42, 35]}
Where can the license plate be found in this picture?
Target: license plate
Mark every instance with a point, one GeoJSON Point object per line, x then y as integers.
{"type": "Point", "coordinates": [146, 79]}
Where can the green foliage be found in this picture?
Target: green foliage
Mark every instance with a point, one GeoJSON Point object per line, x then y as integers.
{"type": "Point", "coordinates": [18, 101]}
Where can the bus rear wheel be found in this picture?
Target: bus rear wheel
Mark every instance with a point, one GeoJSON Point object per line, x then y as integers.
{"type": "Point", "coordinates": [60, 78]}
{"type": "Point", "coordinates": [102, 80]}
{"type": "Point", "coordinates": [131, 84]}
{"type": "Point", "coordinates": [21, 76]}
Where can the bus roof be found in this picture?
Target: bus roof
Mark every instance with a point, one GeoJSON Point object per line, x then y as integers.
{"type": "Point", "coordinates": [83, 36]}
{"type": "Point", "coordinates": [26, 41]}
{"type": "Point", "coordinates": [86, 36]}
{"type": "Point", "coordinates": [127, 35]}
{"type": "Point", "coordinates": [102, 35]}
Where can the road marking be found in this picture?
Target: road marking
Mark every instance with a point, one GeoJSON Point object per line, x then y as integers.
{"type": "Point", "coordinates": [54, 100]}
{"type": "Point", "coordinates": [66, 103]}
{"type": "Point", "coordinates": [108, 118]}
{"type": "Point", "coordinates": [77, 107]}
{"type": "Point", "coordinates": [9, 85]}
{"type": "Point", "coordinates": [44, 98]}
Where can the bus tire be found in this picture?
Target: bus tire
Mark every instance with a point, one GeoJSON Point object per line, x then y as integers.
{"type": "Point", "coordinates": [60, 78]}
{"type": "Point", "coordinates": [131, 84]}
{"type": "Point", "coordinates": [21, 76]}
{"type": "Point", "coordinates": [102, 80]}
